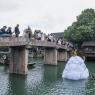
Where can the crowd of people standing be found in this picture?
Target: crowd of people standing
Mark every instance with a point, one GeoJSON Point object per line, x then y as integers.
{"type": "Point", "coordinates": [28, 34]}
{"type": "Point", "coordinates": [39, 35]}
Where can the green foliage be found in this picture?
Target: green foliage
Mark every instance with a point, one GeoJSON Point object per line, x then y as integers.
{"type": "Point", "coordinates": [83, 29]}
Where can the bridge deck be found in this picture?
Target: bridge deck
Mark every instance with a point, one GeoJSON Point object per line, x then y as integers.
{"type": "Point", "coordinates": [21, 41]}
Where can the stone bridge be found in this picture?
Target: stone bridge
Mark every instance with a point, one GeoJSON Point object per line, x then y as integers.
{"type": "Point", "coordinates": [19, 52]}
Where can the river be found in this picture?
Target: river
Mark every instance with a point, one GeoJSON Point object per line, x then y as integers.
{"type": "Point", "coordinates": [44, 80]}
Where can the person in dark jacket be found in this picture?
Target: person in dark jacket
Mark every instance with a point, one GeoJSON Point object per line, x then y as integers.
{"type": "Point", "coordinates": [17, 32]}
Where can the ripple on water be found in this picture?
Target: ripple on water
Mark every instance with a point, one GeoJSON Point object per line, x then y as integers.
{"type": "Point", "coordinates": [3, 81]}
{"type": "Point", "coordinates": [43, 80]}
{"type": "Point", "coordinates": [42, 85]}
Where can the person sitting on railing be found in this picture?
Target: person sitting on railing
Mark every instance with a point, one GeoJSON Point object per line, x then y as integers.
{"type": "Point", "coordinates": [54, 38]}
{"type": "Point", "coordinates": [9, 31]}
{"type": "Point", "coordinates": [3, 30]}
{"type": "Point", "coordinates": [42, 36]}
{"type": "Point", "coordinates": [35, 34]}
{"type": "Point", "coordinates": [39, 35]}
{"type": "Point", "coordinates": [62, 42]}
{"type": "Point", "coordinates": [50, 38]}
{"type": "Point", "coordinates": [59, 41]}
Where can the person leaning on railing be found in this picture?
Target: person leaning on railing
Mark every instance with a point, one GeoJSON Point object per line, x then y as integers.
{"type": "Point", "coordinates": [9, 31]}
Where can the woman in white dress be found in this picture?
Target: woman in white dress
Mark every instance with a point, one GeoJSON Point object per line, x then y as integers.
{"type": "Point", "coordinates": [75, 69]}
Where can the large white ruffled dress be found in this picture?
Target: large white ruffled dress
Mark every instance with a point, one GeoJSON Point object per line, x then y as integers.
{"type": "Point", "coordinates": [75, 69]}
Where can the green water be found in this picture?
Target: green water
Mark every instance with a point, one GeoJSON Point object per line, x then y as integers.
{"type": "Point", "coordinates": [44, 80]}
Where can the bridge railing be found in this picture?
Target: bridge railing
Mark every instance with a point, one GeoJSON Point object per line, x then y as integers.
{"type": "Point", "coordinates": [12, 41]}
{"type": "Point", "coordinates": [22, 41]}
{"type": "Point", "coordinates": [44, 43]}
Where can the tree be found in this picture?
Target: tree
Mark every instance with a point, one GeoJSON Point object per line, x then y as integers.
{"type": "Point", "coordinates": [83, 29]}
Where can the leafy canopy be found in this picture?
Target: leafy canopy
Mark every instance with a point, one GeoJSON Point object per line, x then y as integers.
{"type": "Point", "coordinates": [83, 29]}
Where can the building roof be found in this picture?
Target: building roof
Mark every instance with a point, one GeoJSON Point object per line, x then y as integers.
{"type": "Point", "coordinates": [59, 34]}
{"type": "Point", "coordinates": [88, 43]}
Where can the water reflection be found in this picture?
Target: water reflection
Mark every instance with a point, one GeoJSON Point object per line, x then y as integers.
{"type": "Point", "coordinates": [44, 80]}
{"type": "Point", "coordinates": [35, 80]}
{"type": "Point", "coordinates": [50, 73]}
{"type": "Point", "coordinates": [90, 88]}
{"type": "Point", "coordinates": [3, 80]}
{"type": "Point", "coordinates": [4, 68]}
{"type": "Point", "coordinates": [17, 85]}
{"type": "Point", "coordinates": [74, 87]}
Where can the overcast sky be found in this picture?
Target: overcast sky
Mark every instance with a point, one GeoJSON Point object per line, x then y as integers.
{"type": "Point", "coordinates": [47, 15]}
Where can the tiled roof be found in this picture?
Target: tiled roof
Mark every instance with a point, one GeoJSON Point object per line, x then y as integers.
{"type": "Point", "coordinates": [88, 43]}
